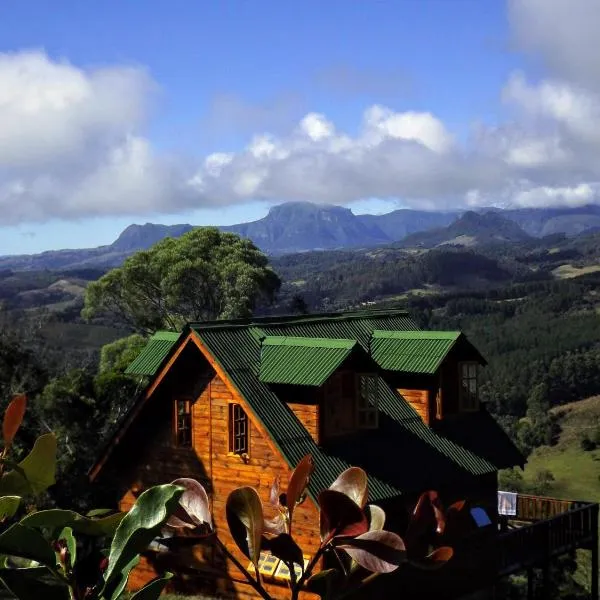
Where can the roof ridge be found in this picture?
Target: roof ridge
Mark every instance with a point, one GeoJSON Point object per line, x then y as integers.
{"type": "Point", "coordinates": [291, 319]}
{"type": "Point", "coordinates": [165, 335]}
{"type": "Point", "coordinates": [308, 341]}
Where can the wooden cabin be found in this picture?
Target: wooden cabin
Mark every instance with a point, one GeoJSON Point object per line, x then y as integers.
{"type": "Point", "coordinates": [234, 403]}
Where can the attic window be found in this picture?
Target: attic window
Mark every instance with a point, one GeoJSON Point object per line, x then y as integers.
{"type": "Point", "coordinates": [366, 407]}
{"type": "Point", "coordinates": [468, 386]}
{"type": "Point", "coordinates": [183, 423]}
{"type": "Point", "coordinates": [238, 430]}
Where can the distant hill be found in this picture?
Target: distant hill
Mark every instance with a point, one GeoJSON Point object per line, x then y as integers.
{"type": "Point", "coordinates": [402, 222]}
{"type": "Point", "coordinates": [304, 226]}
{"type": "Point", "coordinates": [471, 229]}
{"type": "Point", "coordinates": [540, 222]}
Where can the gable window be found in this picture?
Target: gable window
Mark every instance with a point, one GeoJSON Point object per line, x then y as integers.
{"type": "Point", "coordinates": [183, 423]}
{"type": "Point", "coordinates": [366, 405]}
{"type": "Point", "coordinates": [238, 430]}
{"type": "Point", "coordinates": [468, 386]}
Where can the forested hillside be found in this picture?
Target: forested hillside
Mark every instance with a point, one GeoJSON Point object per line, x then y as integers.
{"type": "Point", "coordinates": [532, 307]}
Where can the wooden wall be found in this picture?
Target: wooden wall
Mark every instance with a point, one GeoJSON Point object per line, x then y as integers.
{"type": "Point", "coordinates": [308, 414]}
{"type": "Point", "coordinates": [419, 400]}
{"type": "Point", "coordinates": [209, 461]}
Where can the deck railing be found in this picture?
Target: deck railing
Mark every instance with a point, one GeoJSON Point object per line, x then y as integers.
{"type": "Point", "coordinates": [555, 527]}
{"type": "Point", "coordinates": [538, 508]}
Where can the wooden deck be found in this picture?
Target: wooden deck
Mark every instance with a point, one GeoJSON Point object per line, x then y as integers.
{"type": "Point", "coordinates": [544, 528]}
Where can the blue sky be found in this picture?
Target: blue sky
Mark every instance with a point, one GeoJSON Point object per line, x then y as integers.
{"type": "Point", "coordinates": [115, 106]}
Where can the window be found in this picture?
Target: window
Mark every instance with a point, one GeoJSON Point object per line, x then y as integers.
{"type": "Point", "coordinates": [339, 396]}
{"type": "Point", "coordinates": [183, 423]}
{"type": "Point", "coordinates": [366, 406]}
{"type": "Point", "coordinates": [468, 386]}
{"type": "Point", "coordinates": [238, 430]}
{"type": "Point", "coordinates": [272, 568]}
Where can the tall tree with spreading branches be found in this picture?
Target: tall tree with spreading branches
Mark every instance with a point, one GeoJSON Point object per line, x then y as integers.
{"type": "Point", "coordinates": [203, 275]}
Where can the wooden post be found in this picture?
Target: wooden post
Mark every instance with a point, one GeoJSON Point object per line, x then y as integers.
{"type": "Point", "coordinates": [530, 577]}
{"type": "Point", "coordinates": [546, 579]}
{"type": "Point", "coordinates": [594, 586]}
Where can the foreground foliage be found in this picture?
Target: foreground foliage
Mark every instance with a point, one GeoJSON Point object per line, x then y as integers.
{"type": "Point", "coordinates": [351, 531]}
{"type": "Point", "coordinates": [59, 554]}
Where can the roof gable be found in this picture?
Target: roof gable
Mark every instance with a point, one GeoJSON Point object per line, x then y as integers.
{"type": "Point", "coordinates": [302, 361]}
{"type": "Point", "coordinates": [153, 354]}
{"type": "Point", "coordinates": [411, 351]}
{"type": "Point", "coordinates": [419, 352]}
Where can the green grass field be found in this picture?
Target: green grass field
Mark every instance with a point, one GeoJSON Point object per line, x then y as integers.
{"type": "Point", "coordinates": [576, 472]}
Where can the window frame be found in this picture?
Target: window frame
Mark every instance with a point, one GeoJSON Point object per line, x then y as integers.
{"type": "Point", "coordinates": [363, 406]}
{"type": "Point", "coordinates": [177, 429]}
{"type": "Point", "coordinates": [232, 435]}
{"type": "Point", "coordinates": [467, 401]}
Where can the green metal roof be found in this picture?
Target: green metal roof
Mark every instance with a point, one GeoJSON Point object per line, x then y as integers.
{"type": "Point", "coordinates": [302, 361]}
{"type": "Point", "coordinates": [412, 351]}
{"type": "Point", "coordinates": [153, 354]}
{"type": "Point", "coordinates": [387, 453]}
{"type": "Point", "coordinates": [236, 347]}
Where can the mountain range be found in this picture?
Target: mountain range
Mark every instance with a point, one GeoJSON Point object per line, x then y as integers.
{"type": "Point", "coordinates": [302, 226]}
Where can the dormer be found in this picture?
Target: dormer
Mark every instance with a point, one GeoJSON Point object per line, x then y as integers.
{"type": "Point", "coordinates": [329, 384]}
{"type": "Point", "coordinates": [435, 371]}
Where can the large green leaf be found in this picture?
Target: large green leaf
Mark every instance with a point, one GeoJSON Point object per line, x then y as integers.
{"type": "Point", "coordinates": [22, 541]}
{"type": "Point", "coordinates": [139, 527]}
{"type": "Point", "coordinates": [118, 582]}
{"type": "Point", "coordinates": [9, 506]}
{"type": "Point", "coordinates": [246, 521]}
{"type": "Point", "coordinates": [39, 467]}
{"type": "Point", "coordinates": [153, 589]}
{"type": "Point", "coordinates": [34, 582]}
{"type": "Point", "coordinates": [57, 518]}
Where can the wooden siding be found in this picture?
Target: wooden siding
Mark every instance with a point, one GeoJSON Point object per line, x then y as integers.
{"type": "Point", "coordinates": [201, 569]}
{"type": "Point", "coordinates": [419, 400]}
{"type": "Point", "coordinates": [308, 414]}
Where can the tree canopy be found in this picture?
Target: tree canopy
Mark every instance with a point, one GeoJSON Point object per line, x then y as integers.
{"type": "Point", "coordinates": [203, 275]}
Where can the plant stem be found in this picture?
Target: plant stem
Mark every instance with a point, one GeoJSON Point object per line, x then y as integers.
{"type": "Point", "coordinates": [311, 565]}
{"type": "Point", "coordinates": [255, 583]}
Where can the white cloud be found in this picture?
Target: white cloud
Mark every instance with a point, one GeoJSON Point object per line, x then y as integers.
{"type": "Point", "coordinates": [562, 34]}
{"type": "Point", "coordinates": [70, 143]}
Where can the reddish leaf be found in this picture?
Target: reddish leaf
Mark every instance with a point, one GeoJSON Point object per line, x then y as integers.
{"type": "Point", "coordinates": [353, 483]}
{"type": "Point", "coordinates": [285, 548]}
{"type": "Point", "coordinates": [340, 516]}
{"type": "Point", "coordinates": [298, 484]}
{"type": "Point", "coordinates": [427, 518]}
{"type": "Point", "coordinates": [376, 517]}
{"type": "Point", "coordinates": [376, 551]}
{"type": "Point", "coordinates": [436, 559]}
{"type": "Point", "coordinates": [457, 506]}
{"type": "Point", "coordinates": [194, 505]}
{"type": "Point", "coordinates": [13, 417]}
{"type": "Point", "coordinates": [245, 519]}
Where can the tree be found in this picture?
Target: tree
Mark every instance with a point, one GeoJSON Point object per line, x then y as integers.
{"type": "Point", "coordinates": [203, 275]}
{"type": "Point", "coordinates": [118, 355]}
